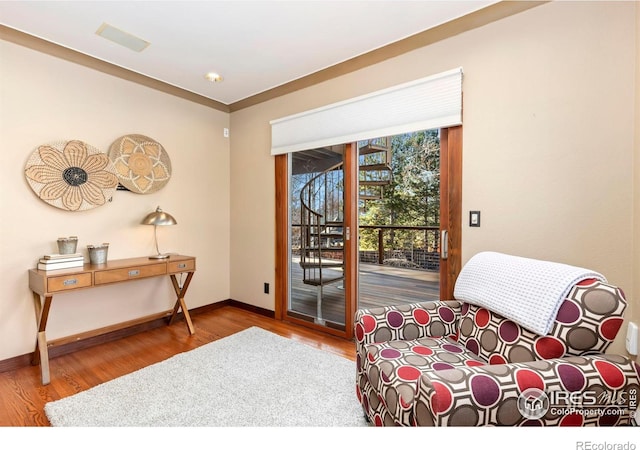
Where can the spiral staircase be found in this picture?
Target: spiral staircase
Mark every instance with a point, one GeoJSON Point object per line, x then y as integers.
{"type": "Point", "coordinates": [322, 231]}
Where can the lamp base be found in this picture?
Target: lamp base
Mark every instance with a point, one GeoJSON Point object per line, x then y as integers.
{"type": "Point", "coordinates": [159, 256]}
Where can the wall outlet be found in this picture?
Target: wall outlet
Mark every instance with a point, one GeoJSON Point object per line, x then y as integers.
{"type": "Point", "coordinates": [225, 132]}
{"type": "Point", "coordinates": [632, 338]}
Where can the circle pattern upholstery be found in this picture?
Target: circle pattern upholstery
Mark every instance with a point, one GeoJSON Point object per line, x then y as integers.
{"type": "Point", "coordinates": [405, 378]}
{"type": "Point", "coordinates": [488, 395]}
{"type": "Point", "coordinates": [587, 322]}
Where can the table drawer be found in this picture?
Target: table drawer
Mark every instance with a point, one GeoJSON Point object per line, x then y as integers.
{"type": "Point", "coordinates": [129, 273]}
{"type": "Point", "coordinates": [68, 282]}
{"type": "Point", "coordinates": [188, 265]}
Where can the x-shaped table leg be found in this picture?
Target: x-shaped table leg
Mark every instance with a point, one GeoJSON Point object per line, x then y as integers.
{"type": "Point", "coordinates": [41, 353]}
{"type": "Point", "coordinates": [180, 303]}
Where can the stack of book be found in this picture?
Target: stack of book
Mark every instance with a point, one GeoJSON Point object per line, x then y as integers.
{"type": "Point", "coordinates": [58, 261]}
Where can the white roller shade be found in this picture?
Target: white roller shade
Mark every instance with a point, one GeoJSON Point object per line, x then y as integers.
{"type": "Point", "coordinates": [427, 103]}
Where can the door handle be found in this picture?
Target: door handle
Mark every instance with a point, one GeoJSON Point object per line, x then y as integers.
{"type": "Point", "coordinates": [444, 244]}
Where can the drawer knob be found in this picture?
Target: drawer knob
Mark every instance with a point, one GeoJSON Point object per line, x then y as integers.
{"type": "Point", "coordinates": [70, 282]}
{"type": "Point", "coordinates": [134, 273]}
{"type": "Point", "coordinates": [182, 266]}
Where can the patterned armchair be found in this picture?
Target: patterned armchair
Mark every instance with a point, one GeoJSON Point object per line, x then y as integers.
{"type": "Point", "coordinates": [451, 363]}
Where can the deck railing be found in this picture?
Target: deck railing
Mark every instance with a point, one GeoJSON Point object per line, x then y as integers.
{"type": "Point", "coordinates": [416, 247]}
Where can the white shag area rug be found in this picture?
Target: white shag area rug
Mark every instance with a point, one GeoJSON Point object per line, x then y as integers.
{"type": "Point", "coordinates": [253, 378]}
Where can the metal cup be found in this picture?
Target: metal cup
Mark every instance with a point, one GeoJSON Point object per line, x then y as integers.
{"type": "Point", "coordinates": [98, 253]}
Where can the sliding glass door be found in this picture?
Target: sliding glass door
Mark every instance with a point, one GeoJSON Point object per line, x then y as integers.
{"type": "Point", "coordinates": [352, 233]}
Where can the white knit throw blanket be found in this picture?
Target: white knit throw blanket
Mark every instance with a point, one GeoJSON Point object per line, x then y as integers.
{"type": "Point", "coordinates": [526, 291]}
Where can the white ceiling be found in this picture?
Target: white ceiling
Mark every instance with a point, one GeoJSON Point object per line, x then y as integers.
{"type": "Point", "coordinates": [255, 45]}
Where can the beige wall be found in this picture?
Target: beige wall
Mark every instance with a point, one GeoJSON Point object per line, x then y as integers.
{"type": "Point", "coordinates": [548, 142]}
{"type": "Point", "coordinates": [44, 99]}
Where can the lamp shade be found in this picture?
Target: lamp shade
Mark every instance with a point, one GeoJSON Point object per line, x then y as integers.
{"type": "Point", "coordinates": [159, 218]}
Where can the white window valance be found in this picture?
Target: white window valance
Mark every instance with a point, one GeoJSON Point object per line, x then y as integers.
{"type": "Point", "coordinates": [427, 103]}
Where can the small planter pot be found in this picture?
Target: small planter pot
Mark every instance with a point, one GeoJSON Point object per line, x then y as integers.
{"type": "Point", "coordinates": [67, 245]}
{"type": "Point", "coordinates": [98, 253]}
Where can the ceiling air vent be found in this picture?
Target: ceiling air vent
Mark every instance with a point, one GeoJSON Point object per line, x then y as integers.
{"type": "Point", "coordinates": [121, 37]}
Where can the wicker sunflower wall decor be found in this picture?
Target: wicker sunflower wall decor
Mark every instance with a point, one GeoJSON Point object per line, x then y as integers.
{"type": "Point", "coordinates": [71, 175]}
{"type": "Point", "coordinates": [142, 164]}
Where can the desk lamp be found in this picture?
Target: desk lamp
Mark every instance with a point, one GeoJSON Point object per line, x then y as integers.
{"type": "Point", "coordinates": [158, 218]}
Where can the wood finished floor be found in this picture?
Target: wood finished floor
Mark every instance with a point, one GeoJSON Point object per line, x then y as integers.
{"type": "Point", "coordinates": [378, 286]}
{"type": "Point", "coordinates": [22, 396]}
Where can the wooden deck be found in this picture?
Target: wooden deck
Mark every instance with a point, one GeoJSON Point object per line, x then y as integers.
{"type": "Point", "coordinates": [379, 286]}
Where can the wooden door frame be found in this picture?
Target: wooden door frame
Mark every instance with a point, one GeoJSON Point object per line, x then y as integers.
{"type": "Point", "coordinates": [282, 231]}
{"type": "Point", "coordinates": [351, 250]}
{"type": "Point", "coordinates": [451, 207]}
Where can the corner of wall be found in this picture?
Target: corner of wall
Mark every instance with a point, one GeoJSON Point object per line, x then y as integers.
{"type": "Point", "coordinates": [635, 294]}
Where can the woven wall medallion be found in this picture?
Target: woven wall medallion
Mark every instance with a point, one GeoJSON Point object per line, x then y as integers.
{"type": "Point", "coordinates": [71, 175]}
{"type": "Point", "coordinates": [142, 164]}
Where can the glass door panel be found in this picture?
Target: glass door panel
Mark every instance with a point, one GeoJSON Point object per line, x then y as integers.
{"type": "Point", "coordinates": [317, 236]}
{"type": "Point", "coordinates": [399, 219]}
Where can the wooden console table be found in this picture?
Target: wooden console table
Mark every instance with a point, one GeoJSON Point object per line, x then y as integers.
{"type": "Point", "coordinates": [44, 284]}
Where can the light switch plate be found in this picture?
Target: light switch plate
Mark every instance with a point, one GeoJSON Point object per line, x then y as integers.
{"type": "Point", "coordinates": [474, 218]}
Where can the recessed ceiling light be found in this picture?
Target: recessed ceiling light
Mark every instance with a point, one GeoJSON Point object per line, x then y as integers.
{"type": "Point", "coordinates": [122, 37]}
{"type": "Point", "coordinates": [213, 77]}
